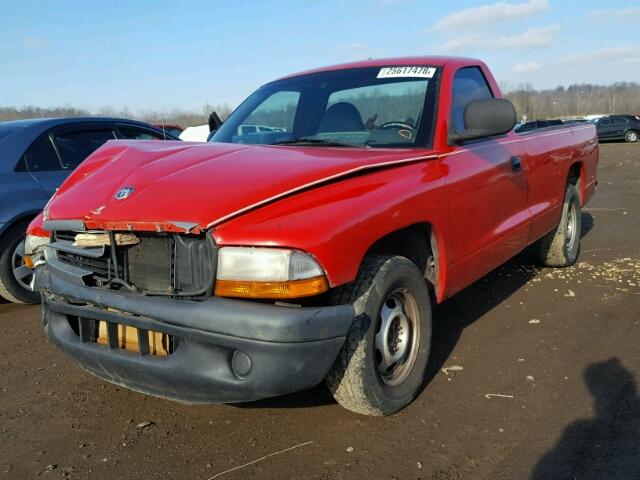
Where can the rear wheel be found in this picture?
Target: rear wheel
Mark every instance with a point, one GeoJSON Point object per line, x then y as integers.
{"type": "Point", "coordinates": [561, 246]}
{"type": "Point", "coordinates": [381, 367]}
{"type": "Point", "coordinates": [16, 278]}
{"type": "Point", "coordinates": [631, 136]}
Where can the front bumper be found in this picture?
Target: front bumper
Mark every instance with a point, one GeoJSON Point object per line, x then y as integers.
{"type": "Point", "coordinates": [225, 350]}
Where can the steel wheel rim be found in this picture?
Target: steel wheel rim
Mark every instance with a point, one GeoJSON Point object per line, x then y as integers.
{"type": "Point", "coordinates": [633, 136]}
{"type": "Point", "coordinates": [397, 337]}
{"type": "Point", "coordinates": [22, 273]}
{"type": "Point", "coordinates": [572, 226]}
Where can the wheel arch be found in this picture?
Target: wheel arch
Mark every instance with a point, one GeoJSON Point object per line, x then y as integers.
{"type": "Point", "coordinates": [576, 177]}
{"type": "Point", "coordinates": [421, 244]}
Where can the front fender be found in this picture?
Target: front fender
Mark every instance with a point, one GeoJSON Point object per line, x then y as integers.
{"type": "Point", "coordinates": [339, 222]}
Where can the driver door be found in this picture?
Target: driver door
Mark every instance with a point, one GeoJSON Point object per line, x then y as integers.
{"type": "Point", "coordinates": [486, 190]}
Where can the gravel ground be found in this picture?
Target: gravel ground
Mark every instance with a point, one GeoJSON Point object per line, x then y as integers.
{"type": "Point", "coordinates": [532, 375]}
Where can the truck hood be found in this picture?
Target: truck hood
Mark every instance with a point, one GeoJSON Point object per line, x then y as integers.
{"type": "Point", "coordinates": [178, 186]}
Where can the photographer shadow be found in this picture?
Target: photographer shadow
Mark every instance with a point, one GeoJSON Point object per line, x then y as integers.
{"type": "Point", "coordinates": [606, 446]}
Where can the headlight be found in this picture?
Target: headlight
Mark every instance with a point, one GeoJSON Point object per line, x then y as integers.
{"type": "Point", "coordinates": [274, 273]}
{"type": "Point", "coordinates": [32, 242]}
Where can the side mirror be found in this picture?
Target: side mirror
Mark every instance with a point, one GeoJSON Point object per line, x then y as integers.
{"type": "Point", "coordinates": [214, 122]}
{"type": "Point", "coordinates": [486, 118]}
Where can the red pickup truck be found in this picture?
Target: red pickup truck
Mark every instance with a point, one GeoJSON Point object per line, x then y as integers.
{"type": "Point", "coordinates": [269, 260]}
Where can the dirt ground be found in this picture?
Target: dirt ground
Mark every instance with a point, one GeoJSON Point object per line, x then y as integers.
{"type": "Point", "coordinates": [533, 375]}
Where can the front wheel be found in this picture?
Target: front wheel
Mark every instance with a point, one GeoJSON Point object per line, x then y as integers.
{"type": "Point", "coordinates": [561, 246]}
{"type": "Point", "coordinates": [631, 136]}
{"type": "Point", "coordinates": [381, 366]}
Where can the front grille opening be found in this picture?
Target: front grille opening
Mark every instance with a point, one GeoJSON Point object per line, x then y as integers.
{"type": "Point", "coordinates": [117, 336]}
{"type": "Point", "coordinates": [159, 264]}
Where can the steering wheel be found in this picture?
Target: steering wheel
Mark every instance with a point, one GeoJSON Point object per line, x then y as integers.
{"type": "Point", "coordinates": [405, 130]}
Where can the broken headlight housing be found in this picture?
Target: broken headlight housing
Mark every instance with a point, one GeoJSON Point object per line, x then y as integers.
{"type": "Point", "coordinates": [34, 242]}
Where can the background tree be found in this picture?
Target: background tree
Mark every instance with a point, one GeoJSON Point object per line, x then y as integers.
{"type": "Point", "coordinates": [577, 100]}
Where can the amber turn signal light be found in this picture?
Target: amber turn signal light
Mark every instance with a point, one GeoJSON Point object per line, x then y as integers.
{"type": "Point", "coordinates": [272, 290]}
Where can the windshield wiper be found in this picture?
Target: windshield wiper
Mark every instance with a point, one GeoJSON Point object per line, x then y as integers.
{"type": "Point", "coordinates": [315, 141]}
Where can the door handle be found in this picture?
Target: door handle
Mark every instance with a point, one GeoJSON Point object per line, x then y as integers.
{"type": "Point", "coordinates": [516, 164]}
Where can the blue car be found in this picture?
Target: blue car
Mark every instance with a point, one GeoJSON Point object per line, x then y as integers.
{"type": "Point", "coordinates": [35, 157]}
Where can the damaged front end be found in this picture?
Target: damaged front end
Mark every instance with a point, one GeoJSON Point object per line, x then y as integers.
{"type": "Point", "coordinates": [137, 308]}
{"type": "Point", "coordinates": [146, 263]}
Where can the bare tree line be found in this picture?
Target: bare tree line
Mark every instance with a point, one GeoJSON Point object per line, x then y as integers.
{"type": "Point", "coordinates": [577, 100]}
{"type": "Point", "coordinates": [184, 118]}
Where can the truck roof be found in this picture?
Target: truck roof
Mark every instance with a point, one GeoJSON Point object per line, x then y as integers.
{"type": "Point", "coordinates": [437, 61]}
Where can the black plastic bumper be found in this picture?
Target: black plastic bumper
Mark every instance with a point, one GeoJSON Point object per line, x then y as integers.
{"type": "Point", "coordinates": [226, 350]}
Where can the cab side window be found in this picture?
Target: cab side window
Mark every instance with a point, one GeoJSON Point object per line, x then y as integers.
{"type": "Point", "coordinates": [469, 85]}
{"type": "Point", "coordinates": [41, 156]}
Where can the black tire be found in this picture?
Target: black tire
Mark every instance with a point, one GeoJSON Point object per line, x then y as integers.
{"type": "Point", "coordinates": [561, 246]}
{"type": "Point", "coordinates": [10, 288]}
{"type": "Point", "coordinates": [631, 136]}
{"type": "Point", "coordinates": [355, 380]}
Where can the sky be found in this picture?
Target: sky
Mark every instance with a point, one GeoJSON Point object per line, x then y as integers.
{"type": "Point", "coordinates": [161, 55]}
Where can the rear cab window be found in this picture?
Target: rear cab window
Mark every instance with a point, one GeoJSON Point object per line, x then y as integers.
{"type": "Point", "coordinates": [394, 104]}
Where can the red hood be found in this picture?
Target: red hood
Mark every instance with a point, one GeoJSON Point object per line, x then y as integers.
{"type": "Point", "coordinates": [200, 184]}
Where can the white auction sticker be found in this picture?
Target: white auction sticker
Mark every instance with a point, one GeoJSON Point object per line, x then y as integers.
{"type": "Point", "coordinates": [416, 71]}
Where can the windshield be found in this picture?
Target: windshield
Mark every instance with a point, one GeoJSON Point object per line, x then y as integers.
{"type": "Point", "coordinates": [362, 107]}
